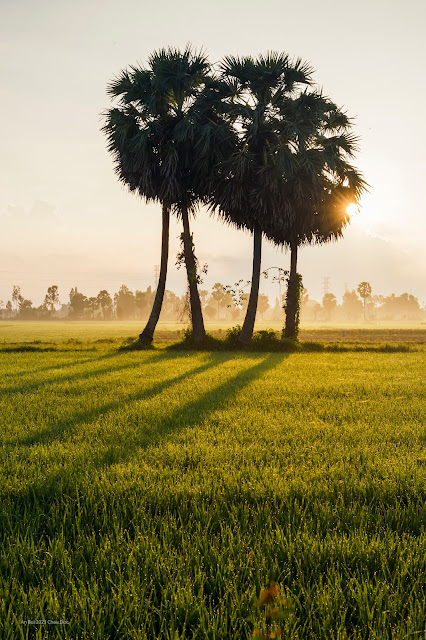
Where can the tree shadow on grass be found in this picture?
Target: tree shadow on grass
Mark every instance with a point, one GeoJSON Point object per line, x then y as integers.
{"type": "Point", "coordinates": [190, 414]}
{"type": "Point", "coordinates": [187, 415]}
{"type": "Point", "coordinates": [39, 384]}
{"type": "Point", "coordinates": [66, 479]}
{"type": "Point", "coordinates": [56, 430]}
{"type": "Point", "coordinates": [61, 364]}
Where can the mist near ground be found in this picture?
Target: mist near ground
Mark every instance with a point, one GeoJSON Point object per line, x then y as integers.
{"type": "Point", "coordinates": [221, 303]}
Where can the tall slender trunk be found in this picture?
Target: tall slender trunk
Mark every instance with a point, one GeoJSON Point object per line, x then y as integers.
{"type": "Point", "coordinates": [198, 330]}
{"type": "Point", "coordinates": [293, 294]}
{"type": "Point", "coordinates": [148, 333]}
{"type": "Point", "coordinates": [291, 328]}
{"type": "Point", "coordinates": [248, 326]}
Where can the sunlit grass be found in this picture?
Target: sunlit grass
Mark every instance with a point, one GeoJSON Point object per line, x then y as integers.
{"type": "Point", "coordinates": [155, 494]}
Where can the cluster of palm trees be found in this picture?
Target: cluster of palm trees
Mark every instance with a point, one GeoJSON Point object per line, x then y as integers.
{"type": "Point", "coordinates": [251, 139]}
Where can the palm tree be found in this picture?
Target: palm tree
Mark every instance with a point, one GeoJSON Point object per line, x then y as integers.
{"type": "Point", "coordinates": [318, 192]}
{"type": "Point", "coordinates": [133, 132]}
{"type": "Point", "coordinates": [164, 136]}
{"type": "Point", "coordinates": [246, 187]}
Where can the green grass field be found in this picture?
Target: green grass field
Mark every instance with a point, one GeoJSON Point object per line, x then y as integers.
{"type": "Point", "coordinates": [154, 494]}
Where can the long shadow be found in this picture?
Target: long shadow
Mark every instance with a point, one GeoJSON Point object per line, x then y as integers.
{"type": "Point", "coordinates": [51, 433]}
{"type": "Point", "coordinates": [38, 497]}
{"type": "Point", "coordinates": [196, 412]}
{"type": "Point", "coordinates": [38, 384]}
{"type": "Point", "coordinates": [59, 365]}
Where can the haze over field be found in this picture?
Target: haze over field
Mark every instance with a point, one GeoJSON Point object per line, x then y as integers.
{"type": "Point", "coordinates": [65, 219]}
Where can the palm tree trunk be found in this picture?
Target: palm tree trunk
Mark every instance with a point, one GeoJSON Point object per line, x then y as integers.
{"type": "Point", "coordinates": [292, 300]}
{"type": "Point", "coordinates": [148, 333]}
{"type": "Point", "coordinates": [248, 326]}
{"type": "Point", "coordinates": [198, 330]}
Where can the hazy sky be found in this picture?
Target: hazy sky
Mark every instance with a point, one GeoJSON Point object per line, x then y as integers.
{"type": "Point", "coordinates": [65, 219]}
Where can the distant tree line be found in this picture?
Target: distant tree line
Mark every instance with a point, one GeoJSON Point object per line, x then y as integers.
{"type": "Point", "coordinates": [362, 305]}
{"type": "Point", "coordinates": [221, 303]}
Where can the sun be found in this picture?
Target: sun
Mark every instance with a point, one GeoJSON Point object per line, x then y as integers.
{"type": "Point", "coordinates": [352, 209]}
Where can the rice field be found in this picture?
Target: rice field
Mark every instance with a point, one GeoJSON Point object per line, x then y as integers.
{"type": "Point", "coordinates": [90, 331]}
{"type": "Point", "coordinates": [155, 494]}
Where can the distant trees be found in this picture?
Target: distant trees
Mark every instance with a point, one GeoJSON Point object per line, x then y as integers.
{"type": "Point", "coordinates": [405, 306]}
{"type": "Point", "coordinates": [78, 304]}
{"type": "Point", "coordinates": [16, 296]}
{"type": "Point", "coordinates": [351, 305]}
{"type": "Point", "coordinates": [172, 306]}
{"type": "Point", "coordinates": [220, 303]}
{"type": "Point", "coordinates": [105, 303]}
{"type": "Point", "coordinates": [26, 310]}
{"type": "Point", "coordinates": [364, 290]}
{"type": "Point", "coordinates": [125, 304]}
{"type": "Point", "coordinates": [377, 308]}
{"type": "Point", "coordinates": [329, 302]}
{"type": "Point", "coordinates": [144, 300]}
{"type": "Point", "coordinates": [51, 298]}
{"type": "Point", "coordinates": [262, 304]}
{"type": "Point", "coordinates": [218, 294]}
{"type": "Point", "coordinates": [92, 306]}
{"type": "Point", "coordinates": [277, 311]}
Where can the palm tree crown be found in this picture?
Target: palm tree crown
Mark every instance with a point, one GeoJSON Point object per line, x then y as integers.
{"type": "Point", "coordinates": [323, 182]}
{"type": "Point", "coordinates": [148, 133]}
{"type": "Point", "coordinates": [247, 183]}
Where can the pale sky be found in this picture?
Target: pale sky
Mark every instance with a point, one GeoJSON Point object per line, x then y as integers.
{"type": "Point", "coordinates": [65, 219]}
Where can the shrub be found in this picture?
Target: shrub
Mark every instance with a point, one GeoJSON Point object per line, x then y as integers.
{"type": "Point", "coordinates": [266, 340]}
{"type": "Point", "coordinates": [231, 338]}
{"type": "Point", "coordinates": [210, 343]}
{"type": "Point", "coordinates": [313, 346]}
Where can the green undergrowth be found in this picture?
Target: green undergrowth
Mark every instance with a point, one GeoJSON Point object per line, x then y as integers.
{"type": "Point", "coordinates": [262, 341]}
{"type": "Point", "coordinates": [269, 341]}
